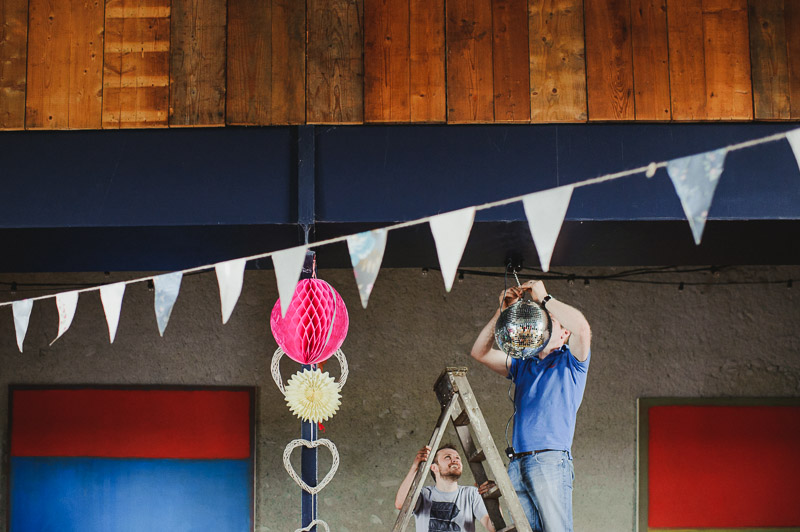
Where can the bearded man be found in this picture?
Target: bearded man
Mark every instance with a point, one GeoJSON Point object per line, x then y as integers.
{"type": "Point", "coordinates": [445, 506]}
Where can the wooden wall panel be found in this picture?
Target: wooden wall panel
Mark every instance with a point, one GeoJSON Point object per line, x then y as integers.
{"type": "Point", "coordinates": [768, 56]}
{"type": "Point", "coordinates": [426, 61]}
{"type": "Point", "coordinates": [152, 63]}
{"type": "Point", "coordinates": [792, 26]}
{"type": "Point", "coordinates": [510, 61]}
{"type": "Point", "coordinates": [335, 65]}
{"type": "Point", "coordinates": [288, 62]}
{"type": "Point", "coordinates": [687, 71]}
{"type": "Point", "coordinates": [65, 64]}
{"type": "Point", "coordinates": [650, 59]}
{"type": "Point", "coordinates": [609, 60]}
{"type": "Point", "coordinates": [136, 64]}
{"type": "Point", "coordinates": [470, 85]}
{"type": "Point", "coordinates": [197, 63]}
{"type": "Point", "coordinates": [727, 60]}
{"type": "Point", "coordinates": [386, 61]}
{"type": "Point", "coordinates": [13, 59]}
{"type": "Point", "coordinates": [266, 62]}
{"type": "Point", "coordinates": [48, 61]}
{"type": "Point", "coordinates": [86, 65]}
{"type": "Point", "coordinates": [557, 63]}
{"type": "Point", "coordinates": [249, 62]}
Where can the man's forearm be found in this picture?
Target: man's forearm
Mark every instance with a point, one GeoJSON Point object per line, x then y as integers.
{"type": "Point", "coordinates": [574, 321]}
{"type": "Point", "coordinates": [485, 340]}
{"type": "Point", "coordinates": [405, 486]}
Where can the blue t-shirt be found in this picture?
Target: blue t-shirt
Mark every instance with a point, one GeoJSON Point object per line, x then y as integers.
{"type": "Point", "coordinates": [548, 394]}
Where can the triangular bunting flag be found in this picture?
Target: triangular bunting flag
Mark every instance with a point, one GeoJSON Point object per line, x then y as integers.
{"type": "Point", "coordinates": [230, 275]}
{"type": "Point", "coordinates": [366, 253]}
{"type": "Point", "coordinates": [451, 232]}
{"type": "Point", "coordinates": [111, 296]}
{"type": "Point", "coordinates": [695, 179]}
{"type": "Point", "coordinates": [22, 315]}
{"type": "Point", "coordinates": [794, 141]}
{"type": "Point", "coordinates": [66, 304]}
{"type": "Point", "coordinates": [167, 287]}
{"type": "Point", "coordinates": [288, 265]}
{"type": "Point", "coordinates": [545, 211]}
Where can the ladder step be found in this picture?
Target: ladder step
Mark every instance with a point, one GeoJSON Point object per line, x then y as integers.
{"type": "Point", "coordinates": [493, 493]}
{"type": "Point", "coordinates": [477, 456]}
{"type": "Point", "coordinates": [462, 419]}
{"type": "Point", "coordinates": [510, 528]}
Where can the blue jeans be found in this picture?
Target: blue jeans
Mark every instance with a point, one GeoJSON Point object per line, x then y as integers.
{"type": "Point", "coordinates": [543, 482]}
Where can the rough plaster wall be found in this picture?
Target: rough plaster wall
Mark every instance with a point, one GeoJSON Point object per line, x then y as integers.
{"type": "Point", "coordinates": [648, 341]}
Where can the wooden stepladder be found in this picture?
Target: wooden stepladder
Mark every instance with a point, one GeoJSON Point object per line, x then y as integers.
{"type": "Point", "coordinates": [460, 406]}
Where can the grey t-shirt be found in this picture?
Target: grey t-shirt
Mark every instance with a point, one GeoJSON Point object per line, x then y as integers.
{"type": "Point", "coordinates": [442, 511]}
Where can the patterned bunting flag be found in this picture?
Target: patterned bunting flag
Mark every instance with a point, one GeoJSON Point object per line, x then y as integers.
{"type": "Point", "coordinates": [366, 253]}
{"type": "Point", "coordinates": [111, 296]}
{"type": "Point", "coordinates": [695, 179]}
{"type": "Point", "coordinates": [794, 141]}
{"type": "Point", "coordinates": [288, 266]}
{"type": "Point", "coordinates": [230, 276]}
{"type": "Point", "coordinates": [167, 287]}
{"type": "Point", "coordinates": [66, 304]}
{"type": "Point", "coordinates": [545, 211]}
{"type": "Point", "coordinates": [451, 232]}
{"type": "Point", "coordinates": [22, 315]}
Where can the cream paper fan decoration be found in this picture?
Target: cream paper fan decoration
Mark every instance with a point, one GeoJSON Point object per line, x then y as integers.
{"type": "Point", "coordinates": [312, 395]}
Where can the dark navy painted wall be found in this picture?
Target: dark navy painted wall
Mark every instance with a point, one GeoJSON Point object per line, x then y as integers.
{"type": "Point", "coordinates": [172, 199]}
{"type": "Point", "coordinates": [402, 173]}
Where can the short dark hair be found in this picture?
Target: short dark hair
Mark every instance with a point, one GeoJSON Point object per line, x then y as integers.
{"type": "Point", "coordinates": [447, 445]}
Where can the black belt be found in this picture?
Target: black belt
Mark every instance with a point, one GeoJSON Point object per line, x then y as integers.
{"type": "Point", "coordinates": [529, 453]}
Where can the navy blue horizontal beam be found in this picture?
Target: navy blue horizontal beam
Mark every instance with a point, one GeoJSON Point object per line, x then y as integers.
{"type": "Point", "coordinates": [374, 174]}
{"type": "Point", "coordinates": [183, 177]}
{"type": "Point", "coordinates": [173, 199]}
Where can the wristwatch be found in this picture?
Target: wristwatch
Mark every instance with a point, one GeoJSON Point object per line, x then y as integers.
{"type": "Point", "coordinates": [545, 299]}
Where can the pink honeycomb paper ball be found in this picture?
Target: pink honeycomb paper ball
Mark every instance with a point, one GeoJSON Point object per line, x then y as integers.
{"type": "Point", "coordinates": [315, 324]}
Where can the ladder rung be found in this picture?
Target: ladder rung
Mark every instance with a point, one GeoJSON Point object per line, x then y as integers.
{"type": "Point", "coordinates": [462, 419]}
{"type": "Point", "coordinates": [477, 456]}
{"type": "Point", "coordinates": [493, 493]}
{"type": "Point", "coordinates": [510, 528]}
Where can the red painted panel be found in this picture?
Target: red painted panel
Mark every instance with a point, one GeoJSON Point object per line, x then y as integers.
{"type": "Point", "coordinates": [723, 466]}
{"type": "Point", "coordinates": [131, 423]}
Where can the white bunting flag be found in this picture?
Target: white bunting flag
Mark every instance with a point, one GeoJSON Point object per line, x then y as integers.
{"type": "Point", "coordinates": [167, 287]}
{"type": "Point", "coordinates": [695, 179]}
{"type": "Point", "coordinates": [451, 232]}
{"type": "Point", "coordinates": [545, 211]}
{"type": "Point", "coordinates": [288, 266]}
{"type": "Point", "coordinates": [794, 141]}
{"type": "Point", "coordinates": [366, 254]}
{"type": "Point", "coordinates": [111, 296]}
{"type": "Point", "coordinates": [230, 276]}
{"type": "Point", "coordinates": [66, 304]}
{"type": "Point", "coordinates": [22, 315]}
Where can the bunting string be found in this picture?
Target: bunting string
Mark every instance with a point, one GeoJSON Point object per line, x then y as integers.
{"type": "Point", "coordinates": [285, 260]}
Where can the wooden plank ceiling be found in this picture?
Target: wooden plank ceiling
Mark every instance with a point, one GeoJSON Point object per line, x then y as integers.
{"type": "Point", "coordinates": [89, 64]}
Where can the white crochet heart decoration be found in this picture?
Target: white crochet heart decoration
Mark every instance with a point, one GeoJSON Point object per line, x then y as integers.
{"type": "Point", "coordinates": [287, 453]}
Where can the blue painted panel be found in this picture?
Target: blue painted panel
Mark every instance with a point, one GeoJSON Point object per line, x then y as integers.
{"type": "Point", "coordinates": [146, 178]}
{"type": "Point", "coordinates": [115, 495]}
{"type": "Point", "coordinates": [395, 173]}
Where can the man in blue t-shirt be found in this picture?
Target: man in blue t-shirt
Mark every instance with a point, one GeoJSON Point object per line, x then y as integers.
{"type": "Point", "coordinates": [549, 389]}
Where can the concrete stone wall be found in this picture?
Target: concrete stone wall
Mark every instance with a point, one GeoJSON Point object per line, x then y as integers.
{"type": "Point", "coordinates": [649, 340]}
